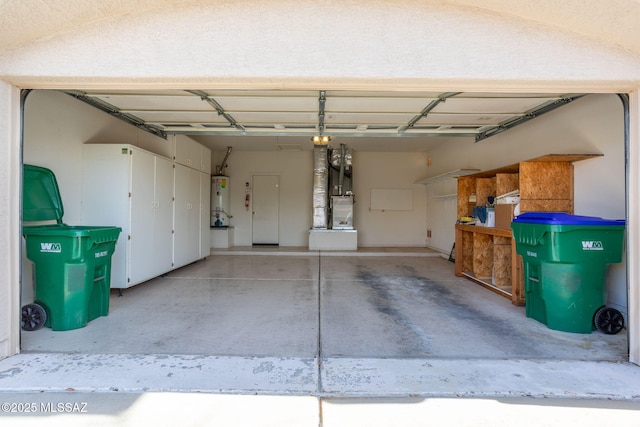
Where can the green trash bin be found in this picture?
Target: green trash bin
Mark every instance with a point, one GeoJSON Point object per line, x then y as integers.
{"type": "Point", "coordinates": [72, 264]}
{"type": "Point", "coordinates": [565, 260]}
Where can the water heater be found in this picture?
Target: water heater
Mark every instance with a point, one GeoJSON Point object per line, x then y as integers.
{"type": "Point", "coordinates": [219, 201]}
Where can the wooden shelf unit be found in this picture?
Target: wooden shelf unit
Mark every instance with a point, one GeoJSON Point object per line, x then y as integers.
{"type": "Point", "coordinates": [487, 255]}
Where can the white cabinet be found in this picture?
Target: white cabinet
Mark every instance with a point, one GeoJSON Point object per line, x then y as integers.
{"type": "Point", "coordinates": [192, 154]}
{"type": "Point", "coordinates": [205, 202]}
{"type": "Point", "coordinates": [189, 153]}
{"type": "Point", "coordinates": [206, 161]}
{"type": "Point", "coordinates": [162, 206]}
{"type": "Point", "coordinates": [205, 214]}
{"type": "Point", "coordinates": [186, 221]}
{"type": "Point", "coordinates": [192, 194]}
{"type": "Point", "coordinates": [131, 188]}
{"type": "Point", "coordinates": [157, 222]}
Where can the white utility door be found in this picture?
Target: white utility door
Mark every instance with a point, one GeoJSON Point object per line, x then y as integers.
{"type": "Point", "coordinates": [266, 209]}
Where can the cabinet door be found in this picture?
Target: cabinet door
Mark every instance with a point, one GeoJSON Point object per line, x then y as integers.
{"type": "Point", "coordinates": [206, 160]}
{"type": "Point", "coordinates": [105, 198]}
{"type": "Point", "coordinates": [163, 218]}
{"type": "Point", "coordinates": [186, 237]}
{"type": "Point", "coordinates": [188, 153]}
{"type": "Point", "coordinates": [141, 195]}
{"type": "Point", "coordinates": [205, 214]}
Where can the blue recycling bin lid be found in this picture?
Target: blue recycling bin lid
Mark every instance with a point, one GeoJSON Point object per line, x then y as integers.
{"type": "Point", "coordinates": [561, 218]}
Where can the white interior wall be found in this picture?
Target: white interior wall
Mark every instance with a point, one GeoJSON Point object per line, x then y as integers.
{"type": "Point", "coordinates": [442, 211]}
{"type": "Point", "coordinates": [371, 170]}
{"type": "Point", "coordinates": [593, 124]}
{"type": "Point", "coordinates": [295, 169]}
{"type": "Point", "coordinates": [374, 170]}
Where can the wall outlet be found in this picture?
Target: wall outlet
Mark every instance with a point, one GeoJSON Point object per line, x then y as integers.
{"type": "Point", "coordinates": [428, 233]}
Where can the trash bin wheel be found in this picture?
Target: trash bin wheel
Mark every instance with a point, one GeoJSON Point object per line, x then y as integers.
{"type": "Point", "coordinates": [608, 320]}
{"type": "Point", "coordinates": [33, 317]}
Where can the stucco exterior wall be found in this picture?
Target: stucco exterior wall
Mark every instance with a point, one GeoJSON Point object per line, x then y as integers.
{"type": "Point", "coordinates": [306, 43]}
{"type": "Point", "coordinates": [9, 220]}
{"type": "Point", "coordinates": [633, 227]}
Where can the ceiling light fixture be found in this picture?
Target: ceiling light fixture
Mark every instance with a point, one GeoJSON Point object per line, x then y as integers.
{"type": "Point", "coordinates": [321, 140]}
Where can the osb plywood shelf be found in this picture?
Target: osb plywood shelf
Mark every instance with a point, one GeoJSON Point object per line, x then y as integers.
{"type": "Point", "coordinates": [492, 231]}
{"type": "Point", "coordinates": [448, 175]}
{"type": "Point", "coordinates": [487, 255]}
{"type": "Point", "coordinates": [445, 196]}
{"type": "Point", "coordinates": [570, 158]}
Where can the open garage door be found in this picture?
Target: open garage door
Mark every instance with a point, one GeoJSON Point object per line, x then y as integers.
{"type": "Point", "coordinates": [384, 160]}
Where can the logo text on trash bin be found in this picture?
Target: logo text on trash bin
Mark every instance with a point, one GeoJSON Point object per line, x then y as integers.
{"type": "Point", "coordinates": [51, 247]}
{"type": "Point", "coordinates": [101, 254]}
{"type": "Point", "coordinates": [592, 245]}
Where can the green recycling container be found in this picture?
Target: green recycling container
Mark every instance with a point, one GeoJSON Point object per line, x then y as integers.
{"type": "Point", "coordinates": [72, 264]}
{"type": "Point", "coordinates": [565, 260]}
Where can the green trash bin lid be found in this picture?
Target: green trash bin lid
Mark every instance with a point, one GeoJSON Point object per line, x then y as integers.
{"type": "Point", "coordinates": [41, 199]}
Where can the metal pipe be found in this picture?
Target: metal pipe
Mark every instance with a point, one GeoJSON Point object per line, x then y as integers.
{"type": "Point", "coordinates": [224, 161]}
{"type": "Point", "coordinates": [341, 176]}
{"type": "Point", "coordinates": [321, 103]}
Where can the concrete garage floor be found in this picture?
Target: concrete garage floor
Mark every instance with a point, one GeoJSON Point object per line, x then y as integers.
{"type": "Point", "coordinates": [371, 337]}
{"type": "Point", "coordinates": [327, 306]}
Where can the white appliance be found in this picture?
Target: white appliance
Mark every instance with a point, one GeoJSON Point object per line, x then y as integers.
{"type": "Point", "coordinates": [342, 212]}
{"type": "Point", "coordinates": [220, 201]}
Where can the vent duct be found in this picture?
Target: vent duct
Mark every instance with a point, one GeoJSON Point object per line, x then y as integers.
{"type": "Point", "coordinates": [320, 186]}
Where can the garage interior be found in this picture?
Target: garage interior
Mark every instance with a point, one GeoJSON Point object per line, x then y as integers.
{"type": "Point", "coordinates": [396, 295]}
